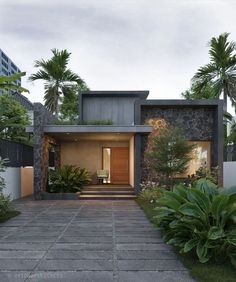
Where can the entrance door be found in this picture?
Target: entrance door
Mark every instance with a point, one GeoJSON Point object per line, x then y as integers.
{"type": "Point", "coordinates": [120, 165]}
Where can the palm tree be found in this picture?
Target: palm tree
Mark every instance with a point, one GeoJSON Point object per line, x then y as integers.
{"type": "Point", "coordinates": [7, 82]}
{"type": "Point", "coordinates": [58, 78]}
{"type": "Point", "coordinates": [221, 71]}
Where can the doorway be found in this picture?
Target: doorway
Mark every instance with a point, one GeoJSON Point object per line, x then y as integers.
{"type": "Point", "coordinates": [116, 161]}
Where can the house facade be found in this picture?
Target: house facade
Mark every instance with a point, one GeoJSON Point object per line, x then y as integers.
{"type": "Point", "coordinates": [117, 144]}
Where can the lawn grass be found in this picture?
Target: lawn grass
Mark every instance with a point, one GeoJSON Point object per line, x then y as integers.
{"type": "Point", "coordinates": [8, 215]}
{"type": "Point", "coordinates": [207, 272]}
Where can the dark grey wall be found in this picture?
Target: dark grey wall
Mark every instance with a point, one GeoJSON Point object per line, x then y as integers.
{"type": "Point", "coordinates": [118, 109]}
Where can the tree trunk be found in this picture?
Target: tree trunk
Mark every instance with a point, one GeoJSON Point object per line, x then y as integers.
{"type": "Point", "coordinates": [225, 98]}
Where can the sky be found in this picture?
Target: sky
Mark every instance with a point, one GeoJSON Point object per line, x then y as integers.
{"type": "Point", "coordinates": [154, 45]}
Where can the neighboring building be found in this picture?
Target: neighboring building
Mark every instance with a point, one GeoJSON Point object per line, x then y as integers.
{"type": "Point", "coordinates": [8, 67]}
{"type": "Point", "coordinates": [120, 147]}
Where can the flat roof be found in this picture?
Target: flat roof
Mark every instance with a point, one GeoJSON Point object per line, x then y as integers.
{"type": "Point", "coordinates": [181, 103]}
{"type": "Point", "coordinates": [93, 129]}
{"type": "Point", "coordinates": [142, 94]}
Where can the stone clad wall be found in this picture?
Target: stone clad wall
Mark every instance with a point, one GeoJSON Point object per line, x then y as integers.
{"type": "Point", "coordinates": [41, 117]}
{"type": "Point", "coordinates": [197, 124]}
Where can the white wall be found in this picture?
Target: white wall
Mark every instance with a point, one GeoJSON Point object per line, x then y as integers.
{"type": "Point", "coordinates": [229, 174]}
{"type": "Point", "coordinates": [13, 183]}
{"type": "Point", "coordinates": [19, 182]}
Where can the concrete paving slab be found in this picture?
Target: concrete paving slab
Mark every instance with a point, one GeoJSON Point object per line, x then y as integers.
{"type": "Point", "coordinates": [79, 255]}
{"type": "Point", "coordinates": [17, 264]}
{"type": "Point", "coordinates": [145, 255]}
{"type": "Point", "coordinates": [75, 265]}
{"type": "Point", "coordinates": [13, 276]}
{"type": "Point", "coordinates": [149, 265]}
{"type": "Point", "coordinates": [21, 254]}
{"type": "Point", "coordinates": [93, 240]}
{"type": "Point", "coordinates": [71, 276]}
{"type": "Point", "coordinates": [151, 276]}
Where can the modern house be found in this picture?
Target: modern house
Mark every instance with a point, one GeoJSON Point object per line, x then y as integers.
{"type": "Point", "coordinates": [119, 147]}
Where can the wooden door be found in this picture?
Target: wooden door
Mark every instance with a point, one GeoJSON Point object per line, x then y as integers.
{"type": "Point", "coordinates": [120, 165]}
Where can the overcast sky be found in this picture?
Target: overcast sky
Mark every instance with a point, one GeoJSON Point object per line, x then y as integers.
{"type": "Point", "coordinates": [154, 45]}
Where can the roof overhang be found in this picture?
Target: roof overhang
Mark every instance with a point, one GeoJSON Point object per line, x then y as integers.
{"type": "Point", "coordinates": [143, 94]}
{"type": "Point", "coordinates": [93, 129]}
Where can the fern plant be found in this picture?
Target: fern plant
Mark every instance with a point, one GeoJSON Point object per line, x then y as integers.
{"type": "Point", "coordinates": [68, 179]}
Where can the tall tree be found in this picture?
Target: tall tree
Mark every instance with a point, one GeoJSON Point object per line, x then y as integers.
{"type": "Point", "coordinates": [13, 119]}
{"type": "Point", "coordinates": [198, 91]}
{"type": "Point", "coordinates": [58, 78]}
{"type": "Point", "coordinates": [69, 109]}
{"type": "Point", "coordinates": [7, 82]}
{"type": "Point", "coordinates": [221, 71]}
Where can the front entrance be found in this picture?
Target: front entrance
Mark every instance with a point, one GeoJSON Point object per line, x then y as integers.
{"type": "Point", "coordinates": [117, 162]}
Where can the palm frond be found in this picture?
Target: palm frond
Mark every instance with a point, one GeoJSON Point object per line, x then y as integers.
{"type": "Point", "coordinates": [51, 97]}
{"type": "Point", "coordinates": [11, 78]}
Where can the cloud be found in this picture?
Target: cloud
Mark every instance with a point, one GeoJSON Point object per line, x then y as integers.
{"type": "Point", "coordinates": [119, 44]}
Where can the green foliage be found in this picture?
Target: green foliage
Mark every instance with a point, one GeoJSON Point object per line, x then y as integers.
{"type": "Point", "coordinates": [69, 108]}
{"type": "Point", "coordinates": [98, 122]}
{"type": "Point", "coordinates": [13, 119]}
{"type": "Point", "coordinates": [68, 179]}
{"type": "Point", "coordinates": [199, 220]}
{"type": "Point", "coordinates": [170, 154]}
{"type": "Point", "coordinates": [58, 78]}
{"type": "Point", "coordinates": [151, 191]}
{"type": "Point", "coordinates": [199, 91]}
{"type": "Point", "coordinates": [219, 75]}
{"type": "Point", "coordinates": [216, 271]}
{"type": "Point", "coordinates": [7, 82]}
{"type": "Point", "coordinates": [206, 173]}
{"type": "Point", "coordinates": [151, 195]}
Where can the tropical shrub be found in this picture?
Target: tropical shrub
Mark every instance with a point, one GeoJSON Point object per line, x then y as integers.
{"type": "Point", "coordinates": [151, 191]}
{"type": "Point", "coordinates": [151, 195]}
{"type": "Point", "coordinates": [68, 179]}
{"type": "Point", "coordinates": [168, 154]}
{"type": "Point", "coordinates": [200, 219]}
{"type": "Point", "coordinates": [205, 172]}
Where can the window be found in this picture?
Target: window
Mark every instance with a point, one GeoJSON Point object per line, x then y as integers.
{"type": "Point", "coordinates": [14, 67]}
{"type": "Point", "coordinates": [201, 156]}
{"type": "Point", "coordinates": [4, 71]}
{"type": "Point", "coordinates": [5, 64]}
{"type": "Point", "coordinates": [4, 57]}
{"type": "Point", "coordinates": [106, 161]}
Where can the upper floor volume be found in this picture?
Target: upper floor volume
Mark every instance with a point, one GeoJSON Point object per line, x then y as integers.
{"type": "Point", "coordinates": [116, 106]}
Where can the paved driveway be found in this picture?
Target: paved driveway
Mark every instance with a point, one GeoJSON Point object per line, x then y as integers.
{"type": "Point", "coordinates": [84, 241]}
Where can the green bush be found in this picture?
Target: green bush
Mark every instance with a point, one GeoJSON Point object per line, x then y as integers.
{"type": "Point", "coordinates": [98, 122]}
{"type": "Point", "coordinates": [151, 195]}
{"type": "Point", "coordinates": [205, 172]}
{"type": "Point", "coordinates": [168, 154]}
{"type": "Point", "coordinates": [68, 179]}
{"type": "Point", "coordinates": [150, 191]}
{"type": "Point", "coordinates": [200, 219]}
